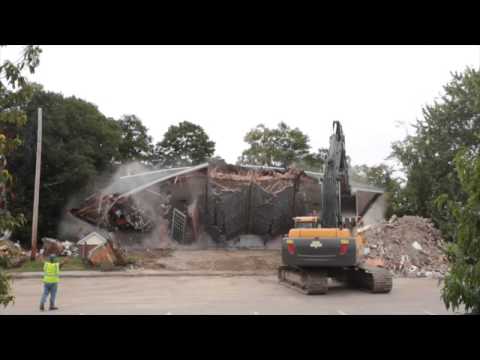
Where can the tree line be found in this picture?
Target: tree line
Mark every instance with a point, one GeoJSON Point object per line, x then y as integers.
{"type": "Point", "coordinates": [440, 162]}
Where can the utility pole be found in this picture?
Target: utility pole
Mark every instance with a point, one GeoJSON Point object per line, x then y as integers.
{"type": "Point", "coordinates": [33, 253]}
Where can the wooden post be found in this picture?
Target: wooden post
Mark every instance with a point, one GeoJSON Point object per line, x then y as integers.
{"type": "Point", "coordinates": [33, 253]}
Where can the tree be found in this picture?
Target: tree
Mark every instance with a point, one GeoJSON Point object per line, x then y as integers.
{"type": "Point", "coordinates": [183, 145]}
{"type": "Point", "coordinates": [279, 147]}
{"type": "Point", "coordinates": [14, 92]}
{"type": "Point", "coordinates": [462, 282]}
{"type": "Point", "coordinates": [442, 165]}
{"type": "Point", "coordinates": [79, 145]}
{"type": "Point", "coordinates": [136, 144]}
{"type": "Point", "coordinates": [428, 156]}
{"type": "Point", "coordinates": [314, 161]}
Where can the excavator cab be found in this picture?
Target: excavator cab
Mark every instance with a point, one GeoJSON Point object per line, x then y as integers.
{"type": "Point", "coordinates": [306, 222]}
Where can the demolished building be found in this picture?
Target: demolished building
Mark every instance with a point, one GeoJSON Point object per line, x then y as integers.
{"type": "Point", "coordinates": [214, 199]}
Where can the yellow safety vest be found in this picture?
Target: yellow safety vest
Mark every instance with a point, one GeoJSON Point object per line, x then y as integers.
{"type": "Point", "coordinates": [51, 272]}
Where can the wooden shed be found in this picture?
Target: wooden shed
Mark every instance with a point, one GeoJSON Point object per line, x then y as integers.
{"type": "Point", "coordinates": [90, 242]}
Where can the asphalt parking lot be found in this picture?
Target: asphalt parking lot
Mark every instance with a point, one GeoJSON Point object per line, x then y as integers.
{"type": "Point", "coordinates": [248, 295]}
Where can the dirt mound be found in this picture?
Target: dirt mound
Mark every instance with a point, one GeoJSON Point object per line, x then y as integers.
{"type": "Point", "coordinates": [218, 260]}
{"type": "Point", "coordinates": [408, 246]}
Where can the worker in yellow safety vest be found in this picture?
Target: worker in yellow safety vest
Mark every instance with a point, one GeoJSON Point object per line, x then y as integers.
{"type": "Point", "coordinates": [51, 275]}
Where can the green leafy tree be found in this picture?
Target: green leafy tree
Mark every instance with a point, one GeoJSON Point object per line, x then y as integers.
{"type": "Point", "coordinates": [136, 144]}
{"type": "Point", "coordinates": [462, 282]}
{"type": "Point", "coordinates": [14, 93]}
{"type": "Point", "coordinates": [79, 145]}
{"type": "Point", "coordinates": [314, 161]}
{"type": "Point", "coordinates": [282, 147]}
{"type": "Point", "coordinates": [183, 145]}
{"type": "Point", "coordinates": [427, 157]}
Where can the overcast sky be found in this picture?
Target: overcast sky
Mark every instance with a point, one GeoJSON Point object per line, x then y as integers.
{"type": "Point", "coordinates": [230, 89]}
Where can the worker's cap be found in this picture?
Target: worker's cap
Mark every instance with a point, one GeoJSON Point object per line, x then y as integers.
{"type": "Point", "coordinates": [52, 257]}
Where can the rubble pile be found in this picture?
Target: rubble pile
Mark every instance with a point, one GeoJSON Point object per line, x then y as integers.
{"type": "Point", "coordinates": [59, 248]}
{"type": "Point", "coordinates": [108, 253]}
{"type": "Point", "coordinates": [114, 212]}
{"type": "Point", "coordinates": [51, 247]}
{"type": "Point", "coordinates": [70, 249]}
{"type": "Point", "coordinates": [11, 254]}
{"type": "Point", "coordinates": [408, 246]}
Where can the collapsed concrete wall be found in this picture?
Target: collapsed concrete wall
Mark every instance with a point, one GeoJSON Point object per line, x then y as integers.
{"type": "Point", "coordinates": [255, 201]}
{"type": "Point", "coordinates": [376, 211]}
{"type": "Point", "coordinates": [225, 201]}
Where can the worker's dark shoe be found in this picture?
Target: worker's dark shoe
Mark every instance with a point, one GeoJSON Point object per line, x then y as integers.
{"type": "Point", "coordinates": [53, 307]}
{"type": "Point", "coordinates": [42, 308]}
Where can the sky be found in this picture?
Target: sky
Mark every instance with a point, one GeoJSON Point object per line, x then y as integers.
{"type": "Point", "coordinates": [374, 91]}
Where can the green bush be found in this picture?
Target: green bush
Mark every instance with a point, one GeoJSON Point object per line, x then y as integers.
{"type": "Point", "coordinates": [462, 283]}
{"type": "Point", "coordinates": [5, 289]}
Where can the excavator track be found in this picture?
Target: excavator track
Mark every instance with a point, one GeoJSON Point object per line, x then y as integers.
{"type": "Point", "coordinates": [309, 282]}
{"type": "Point", "coordinates": [376, 280]}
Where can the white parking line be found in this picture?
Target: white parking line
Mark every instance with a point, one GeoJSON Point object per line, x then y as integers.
{"type": "Point", "coordinates": [342, 312]}
{"type": "Point", "coordinates": [428, 312]}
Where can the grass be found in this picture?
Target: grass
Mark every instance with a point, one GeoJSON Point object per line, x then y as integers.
{"type": "Point", "coordinates": [71, 264]}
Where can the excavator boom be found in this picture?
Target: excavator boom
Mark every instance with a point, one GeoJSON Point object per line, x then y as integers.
{"type": "Point", "coordinates": [335, 179]}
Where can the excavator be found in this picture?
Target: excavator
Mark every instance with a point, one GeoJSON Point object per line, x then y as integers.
{"type": "Point", "coordinates": [323, 247]}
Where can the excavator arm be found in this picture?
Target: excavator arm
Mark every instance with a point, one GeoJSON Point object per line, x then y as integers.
{"type": "Point", "coordinates": [335, 179]}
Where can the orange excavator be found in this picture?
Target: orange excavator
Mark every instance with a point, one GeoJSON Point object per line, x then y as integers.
{"type": "Point", "coordinates": [319, 248]}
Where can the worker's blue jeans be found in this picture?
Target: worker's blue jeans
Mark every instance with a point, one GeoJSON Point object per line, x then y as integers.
{"type": "Point", "coordinates": [49, 288]}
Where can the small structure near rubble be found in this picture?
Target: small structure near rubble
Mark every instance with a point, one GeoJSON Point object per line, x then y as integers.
{"type": "Point", "coordinates": [90, 242]}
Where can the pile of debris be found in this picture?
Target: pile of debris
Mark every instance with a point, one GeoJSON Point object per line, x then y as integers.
{"type": "Point", "coordinates": [408, 246]}
{"type": "Point", "coordinates": [114, 212]}
{"type": "Point", "coordinates": [70, 249]}
{"type": "Point", "coordinates": [11, 254]}
{"type": "Point", "coordinates": [58, 248]}
{"type": "Point", "coordinates": [94, 248]}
